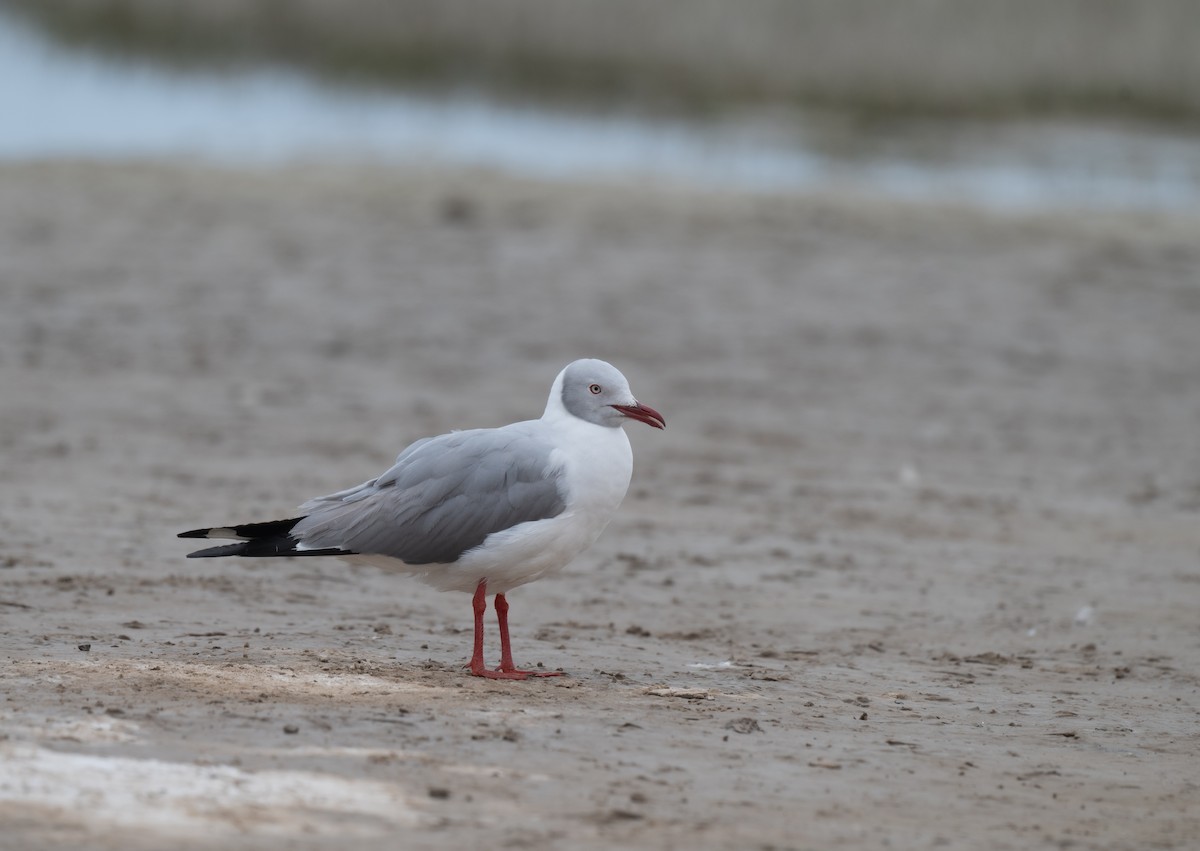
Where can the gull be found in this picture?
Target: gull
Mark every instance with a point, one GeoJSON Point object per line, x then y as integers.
{"type": "Point", "coordinates": [483, 510]}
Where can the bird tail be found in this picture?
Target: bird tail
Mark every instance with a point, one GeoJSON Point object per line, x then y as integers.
{"type": "Point", "coordinates": [257, 540]}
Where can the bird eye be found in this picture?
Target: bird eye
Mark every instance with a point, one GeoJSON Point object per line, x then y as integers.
{"type": "Point", "coordinates": [595, 388]}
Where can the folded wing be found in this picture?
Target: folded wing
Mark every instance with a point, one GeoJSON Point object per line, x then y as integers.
{"type": "Point", "coordinates": [443, 497]}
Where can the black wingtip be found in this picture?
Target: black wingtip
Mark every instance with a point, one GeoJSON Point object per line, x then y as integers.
{"type": "Point", "coordinates": [217, 552]}
{"type": "Point", "coordinates": [267, 548]}
{"type": "Point", "coordinates": [269, 529]}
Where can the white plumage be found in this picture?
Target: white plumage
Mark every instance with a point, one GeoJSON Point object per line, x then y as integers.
{"type": "Point", "coordinates": [480, 511]}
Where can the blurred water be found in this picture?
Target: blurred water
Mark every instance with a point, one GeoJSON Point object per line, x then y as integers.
{"type": "Point", "coordinates": [57, 102]}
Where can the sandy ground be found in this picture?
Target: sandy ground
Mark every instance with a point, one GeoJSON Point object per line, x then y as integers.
{"type": "Point", "coordinates": [916, 563]}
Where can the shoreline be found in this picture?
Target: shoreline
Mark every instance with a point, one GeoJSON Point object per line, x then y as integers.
{"type": "Point", "coordinates": [971, 63]}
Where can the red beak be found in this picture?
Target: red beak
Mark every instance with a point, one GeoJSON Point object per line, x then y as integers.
{"type": "Point", "coordinates": [643, 414]}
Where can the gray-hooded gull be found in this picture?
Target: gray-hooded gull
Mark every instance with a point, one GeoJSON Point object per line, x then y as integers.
{"type": "Point", "coordinates": [479, 511]}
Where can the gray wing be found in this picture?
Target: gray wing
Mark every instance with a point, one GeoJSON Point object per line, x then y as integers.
{"type": "Point", "coordinates": [443, 496]}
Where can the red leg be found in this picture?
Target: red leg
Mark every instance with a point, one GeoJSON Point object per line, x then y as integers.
{"type": "Point", "coordinates": [506, 660]}
{"type": "Point", "coordinates": [479, 603]}
{"type": "Point", "coordinates": [507, 670]}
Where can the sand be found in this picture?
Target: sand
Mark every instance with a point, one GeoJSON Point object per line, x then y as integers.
{"type": "Point", "coordinates": [916, 562]}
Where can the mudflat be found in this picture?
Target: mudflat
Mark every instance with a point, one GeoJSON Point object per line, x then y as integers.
{"type": "Point", "coordinates": [916, 562]}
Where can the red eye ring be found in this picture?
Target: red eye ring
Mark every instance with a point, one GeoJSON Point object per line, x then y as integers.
{"type": "Point", "coordinates": [596, 389]}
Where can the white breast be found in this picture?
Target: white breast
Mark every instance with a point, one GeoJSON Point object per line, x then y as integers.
{"type": "Point", "coordinates": [597, 463]}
